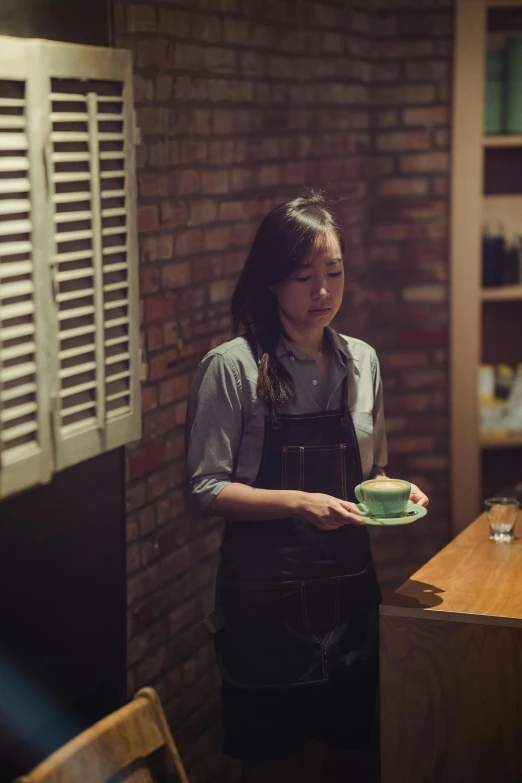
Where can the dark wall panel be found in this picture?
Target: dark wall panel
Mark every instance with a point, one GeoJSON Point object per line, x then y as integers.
{"type": "Point", "coordinates": [62, 546]}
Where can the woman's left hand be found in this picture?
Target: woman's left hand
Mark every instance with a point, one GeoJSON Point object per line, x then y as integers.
{"type": "Point", "coordinates": [417, 496]}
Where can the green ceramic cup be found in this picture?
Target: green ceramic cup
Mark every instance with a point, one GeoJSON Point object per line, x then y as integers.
{"type": "Point", "coordinates": [384, 497]}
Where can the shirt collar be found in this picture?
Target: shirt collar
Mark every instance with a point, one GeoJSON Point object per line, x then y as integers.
{"type": "Point", "coordinates": [285, 347]}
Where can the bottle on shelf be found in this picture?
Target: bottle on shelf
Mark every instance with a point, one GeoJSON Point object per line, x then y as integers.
{"type": "Point", "coordinates": [493, 252]}
{"type": "Point", "coordinates": [514, 403]}
{"type": "Point", "coordinates": [511, 264]}
{"type": "Point", "coordinates": [504, 379]}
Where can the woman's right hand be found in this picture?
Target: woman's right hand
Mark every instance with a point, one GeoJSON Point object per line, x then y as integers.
{"type": "Point", "coordinates": [327, 512]}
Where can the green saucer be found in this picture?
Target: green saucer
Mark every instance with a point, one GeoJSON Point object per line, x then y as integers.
{"type": "Point", "coordinates": [412, 514]}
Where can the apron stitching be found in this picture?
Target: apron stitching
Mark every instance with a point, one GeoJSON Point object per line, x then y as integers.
{"type": "Point", "coordinates": [283, 467]}
{"type": "Point", "coordinates": [301, 468]}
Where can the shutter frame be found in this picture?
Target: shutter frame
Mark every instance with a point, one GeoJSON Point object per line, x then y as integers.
{"type": "Point", "coordinates": [67, 61]}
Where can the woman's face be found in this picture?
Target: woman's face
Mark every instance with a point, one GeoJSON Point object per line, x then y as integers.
{"type": "Point", "coordinates": [312, 295]}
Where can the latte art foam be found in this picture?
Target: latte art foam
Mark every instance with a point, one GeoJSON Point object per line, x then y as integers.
{"type": "Point", "coordinates": [386, 484]}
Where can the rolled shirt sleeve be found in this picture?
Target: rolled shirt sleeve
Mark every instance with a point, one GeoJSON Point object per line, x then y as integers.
{"type": "Point", "coordinates": [380, 445]}
{"type": "Point", "coordinates": [213, 429]}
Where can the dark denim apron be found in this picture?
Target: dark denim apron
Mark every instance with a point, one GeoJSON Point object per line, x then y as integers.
{"type": "Point", "coordinates": [300, 605]}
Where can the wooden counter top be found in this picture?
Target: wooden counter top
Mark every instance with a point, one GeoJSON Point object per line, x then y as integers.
{"type": "Point", "coordinates": [472, 577]}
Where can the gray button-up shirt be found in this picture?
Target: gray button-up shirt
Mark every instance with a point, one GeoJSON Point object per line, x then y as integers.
{"type": "Point", "coordinates": [225, 418]}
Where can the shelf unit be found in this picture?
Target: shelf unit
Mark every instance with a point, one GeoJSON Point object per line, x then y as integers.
{"type": "Point", "coordinates": [513, 441]}
{"type": "Point", "coordinates": [507, 293]}
{"type": "Point", "coordinates": [502, 141]}
{"type": "Point", "coordinates": [483, 321]}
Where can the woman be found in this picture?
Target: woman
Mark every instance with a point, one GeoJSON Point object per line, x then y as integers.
{"type": "Point", "coordinates": [283, 422]}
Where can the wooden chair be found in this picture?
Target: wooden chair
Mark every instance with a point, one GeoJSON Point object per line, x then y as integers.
{"type": "Point", "coordinates": [116, 749]}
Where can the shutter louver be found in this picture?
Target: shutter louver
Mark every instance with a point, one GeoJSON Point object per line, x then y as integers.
{"type": "Point", "coordinates": [25, 454]}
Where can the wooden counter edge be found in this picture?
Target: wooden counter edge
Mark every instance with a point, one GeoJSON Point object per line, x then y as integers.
{"type": "Point", "coordinates": [388, 610]}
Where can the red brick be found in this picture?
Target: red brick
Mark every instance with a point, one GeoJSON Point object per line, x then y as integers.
{"type": "Point", "coordinates": [149, 280]}
{"type": "Point", "coordinates": [173, 214]}
{"type": "Point", "coordinates": [412, 444]}
{"type": "Point", "coordinates": [441, 185]}
{"type": "Point", "coordinates": [176, 275]}
{"type": "Point", "coordinates": [403, 141]}
{"type": "Point", "coordinates": [143, 89]}
{"type": "Point", "coordinates": [407, 186]}
{"type": "Point", "coordinates": [180, 413]}
{"type": "Point", "coordinates": [236, 32]}
{"type": "Point", "coordinates": [174, 564]}
{"type": "Point", "coordinates": [399, 360]}
{"type": "Point", "coordinates": [175, 446]}
{"type": "Point", "coordinates": [402, 49]}
{"type": "Point", "coordinates": [147, 218]}
{"type": "Point", "coordinates": [188, 56]}
{"type": "Point", "coordinates": [201, 212]}
{"type": "Point", "coordinates": [146, 462]}
{"type": "Point", "coordinates": [206, 28]}
{"type": "Point", "coordinates": [428, 70]}
{"type": "Point", "coordinates": [216, 181]}
{"type": "Point", "coordinates": [252, 63]}
{"type": "Point", "coordinates": [141, 18]}
{"type": "Point", "coordinates": [424, 163]}
{"type": "Point", "coordinates": [185, 615]}
{"type": "Point", "coordinates": [174, 22]}
{"type": "Point", "coordinates": [403, 95]}
{"type": "Point", "coordinates": [171, 333]}
{"type": "Point", "coordinates": [426, 116]}
{"type": "Point", "coordinates": [173, 389]}
{"type": "Point", "coordinates": [151, 667]}
{"type": "Point", "coordinates": [154, 337]}
{"type": "Point", "coordinates": [142, 584]}
{"type": "Point", "coordinates": [149, 398]}
{"type": "Point", "coordinates": [159, 482]}
{"type": "Point", "coordinates": [217, 238]}
{"type": "Point", "coordinates": [156, 248]}
{"type": "Point", "coordinates": [221, 152]}
{"type": "Point", "coordinates": [158, 308]}
{"type": "Point", "coordinates": [158, 423]}
{"type": "Point", "coordinates": [220, 59]}
{"type": "Point", "coordinates": [426, 24]}
{"type": "Point", "coordinates": [442, 138]}
{"type": "Point", "coordinates": [189, 242]}
{"type": "Point", "coordinates": [385, 72]}
{"type": "Point", "coordinates": [164, 86]}
{"type": "Point", "coordinates": [152, 53]}
{"type": "Point", "coordinates": [159, 365]}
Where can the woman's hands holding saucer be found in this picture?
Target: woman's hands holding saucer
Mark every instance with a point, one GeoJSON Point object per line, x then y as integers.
{"type": "Point", "coordinates": [328, 513]}
{"type": "Point", "coordinates": [418, 497]}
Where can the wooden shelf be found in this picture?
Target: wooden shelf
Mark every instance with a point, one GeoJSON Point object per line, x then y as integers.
{"type": "Point", "coordinates": [503, 293]}
{"type": "Point", "coordinates": [511, 442]}
{"type": "Point", "coordinates": [502, 141]}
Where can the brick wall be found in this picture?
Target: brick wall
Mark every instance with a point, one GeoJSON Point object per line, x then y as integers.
{"type": "Point", "coordinates": [407, 266]}
{"type": "Point", "coordinates": [240, 103]}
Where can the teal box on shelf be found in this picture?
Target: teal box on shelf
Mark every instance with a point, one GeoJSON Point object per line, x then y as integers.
{"type": "Point", "coordinates": [495, 92]}
{"type": "Point", "coordinates": [514, 84]}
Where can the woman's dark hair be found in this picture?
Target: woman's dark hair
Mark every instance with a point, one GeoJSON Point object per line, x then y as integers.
{"type": "Point", "coordinates": [280, 247]}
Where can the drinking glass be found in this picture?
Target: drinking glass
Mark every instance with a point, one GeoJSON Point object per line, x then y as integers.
{"type": "Point", "coordinates": [501, 513]}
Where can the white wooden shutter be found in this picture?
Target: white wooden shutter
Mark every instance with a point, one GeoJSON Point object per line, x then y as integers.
{"type": "Point", "coordinates": [69, 363]}
{"type": "Point", "coordinates": [90, 154]}
{"type": "Point", "coordinates": [25, 446]}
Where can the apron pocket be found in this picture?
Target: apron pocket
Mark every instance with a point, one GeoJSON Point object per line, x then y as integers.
{"type": "Point", "coordinates": [265, 641]}
{"type": "Point", "coordinates": [302, 469]}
